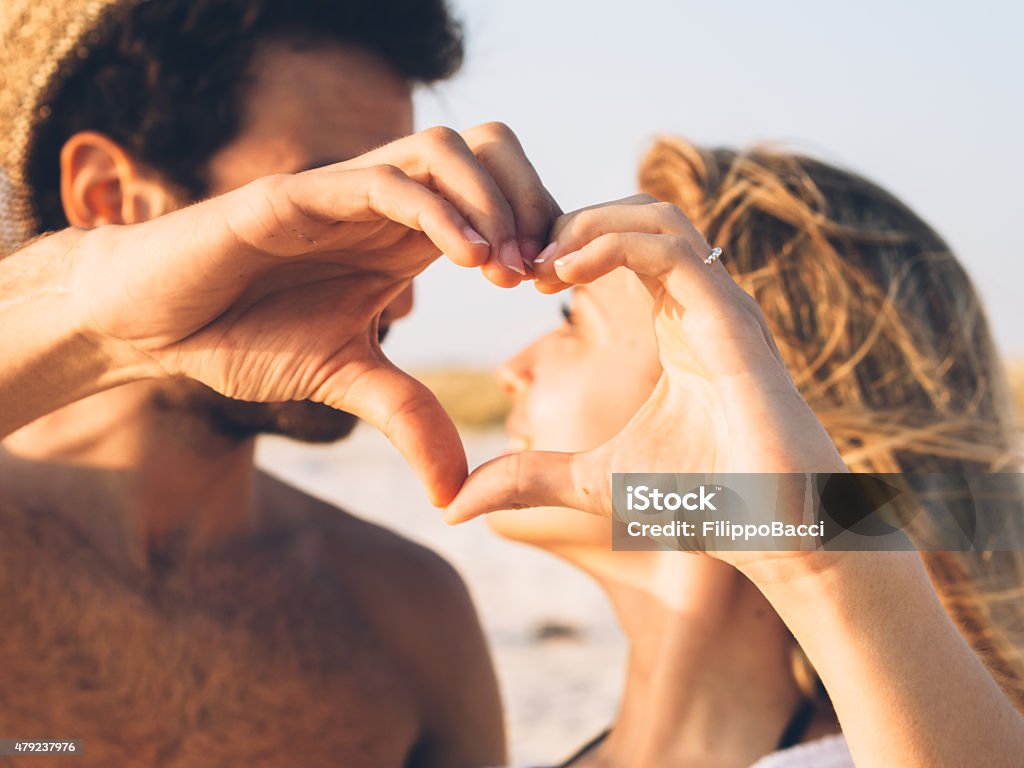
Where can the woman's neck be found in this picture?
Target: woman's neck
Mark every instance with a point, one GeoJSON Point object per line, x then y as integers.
{"type": "Point", "coordinates": [708, 680]}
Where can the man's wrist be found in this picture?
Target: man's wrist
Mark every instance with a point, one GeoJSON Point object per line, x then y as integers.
{"type": "Point", "coordinates": [49, 357]}
{"type": "Point", "coordinates": [90, 250]}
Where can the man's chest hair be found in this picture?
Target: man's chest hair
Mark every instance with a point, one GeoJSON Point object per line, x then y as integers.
{"type": "Point", "coordinates": [206, 665]}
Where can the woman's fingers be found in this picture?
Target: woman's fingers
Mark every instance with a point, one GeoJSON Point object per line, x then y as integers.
{"type": "Point", "coordinates": [534, 479]}
{"type": "Point", "coordinates": [632, 215]}
{"type": "Point", "coordinates": [699, 314]}
{"type": "Point", "coordinates": [635, 214]}
{"type": "Point", "coordinates": [669, 260]}
{"type": "Point", "coordinates": [598, 210]}
{"type": "Point", "coordinates": [408, 413]}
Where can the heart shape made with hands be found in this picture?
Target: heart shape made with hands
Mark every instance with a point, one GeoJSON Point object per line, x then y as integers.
{"type": "Point", "coordinates": [274, 292]}
{"type": "Point", "coordinates": [722, 374]}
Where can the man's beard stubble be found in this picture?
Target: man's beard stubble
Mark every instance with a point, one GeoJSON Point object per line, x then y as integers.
{"type": "Point", "coordinates": [240, 420]}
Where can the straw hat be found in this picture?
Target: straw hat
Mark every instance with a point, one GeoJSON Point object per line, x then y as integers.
{"type": "Point", "coordinates": [39, 42]}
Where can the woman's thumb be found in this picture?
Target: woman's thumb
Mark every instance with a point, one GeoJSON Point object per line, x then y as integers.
{"type": "Point", "coordinates": [532, 479]}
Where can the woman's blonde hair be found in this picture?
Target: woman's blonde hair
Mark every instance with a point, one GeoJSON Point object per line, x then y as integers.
{"type": "Point", "coordinates": [885, 336]}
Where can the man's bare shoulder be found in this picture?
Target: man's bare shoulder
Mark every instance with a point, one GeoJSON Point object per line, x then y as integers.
{"type": "Point", "coordinates": [412, 600]}
{"type": "Point", "coordinates": [321, 528]}
{"type": "Point", "coordinates": [419, 609]}
{"type": "Point", "coordinates": [396, 578]}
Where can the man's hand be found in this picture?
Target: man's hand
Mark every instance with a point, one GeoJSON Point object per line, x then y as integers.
{"type": "Point", "coordinates": [273, 292]}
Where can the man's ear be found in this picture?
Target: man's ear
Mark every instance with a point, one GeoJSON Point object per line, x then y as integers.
{"type": "Point", "coordinates": [100, 183]}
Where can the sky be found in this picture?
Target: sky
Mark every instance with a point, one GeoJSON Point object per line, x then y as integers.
{"type": "Point", "coordinates": [924, 98]}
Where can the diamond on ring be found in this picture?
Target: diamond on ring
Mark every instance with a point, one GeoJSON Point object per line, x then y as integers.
{"type": "Point", "coordinates": [713, 256]}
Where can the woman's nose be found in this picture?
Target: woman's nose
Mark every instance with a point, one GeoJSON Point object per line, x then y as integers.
{"type": "Point", "coordinates": [514, 374]}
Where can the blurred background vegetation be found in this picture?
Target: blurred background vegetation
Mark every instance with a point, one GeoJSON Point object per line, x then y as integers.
{"type": "Point", "coordinates": [471, 396]}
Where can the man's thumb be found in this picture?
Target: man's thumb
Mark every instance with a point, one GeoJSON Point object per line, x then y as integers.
{"type": "Point", "coordinates": [408, 413]}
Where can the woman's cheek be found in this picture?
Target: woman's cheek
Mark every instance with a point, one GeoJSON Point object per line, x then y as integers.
{"type": "Point", "coordinates": [558, 421]}
{"type": "Point", "coordinates": [583, 394]}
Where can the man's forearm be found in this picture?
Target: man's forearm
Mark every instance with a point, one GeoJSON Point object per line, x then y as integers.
{"type": "Point", "coordinates": [47, 359]}
{"type": "Point", "coordinates": [906, 686]}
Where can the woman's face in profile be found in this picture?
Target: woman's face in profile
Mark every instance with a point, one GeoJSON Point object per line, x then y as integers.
{"type": "Point", "coordinates": [576, 387]}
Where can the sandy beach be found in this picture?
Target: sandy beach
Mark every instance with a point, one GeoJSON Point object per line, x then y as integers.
{"type": "Point", "coordinates": [557, 649]}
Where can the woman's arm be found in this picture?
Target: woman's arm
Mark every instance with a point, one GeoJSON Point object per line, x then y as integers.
{"type": "Point", "coordinates": [907, 688]}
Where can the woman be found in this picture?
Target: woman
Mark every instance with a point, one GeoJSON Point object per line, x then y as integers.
{"type": "Point", "coordinates": [866, 349]}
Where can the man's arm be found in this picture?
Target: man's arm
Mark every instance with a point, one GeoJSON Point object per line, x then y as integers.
{"type": "Point", "coordinates": [272, 292]}
{"type": "Point", "coordinates": [47, 358]}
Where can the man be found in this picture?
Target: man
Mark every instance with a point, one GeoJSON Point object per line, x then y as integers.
{"type": "Point", "coordinates": [162, 600]}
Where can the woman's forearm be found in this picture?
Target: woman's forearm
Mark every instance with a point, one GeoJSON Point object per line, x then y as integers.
{"type": "Point", "coordinates": [46, 361]}
{"type": "Point", "coordinates": [907, 688]}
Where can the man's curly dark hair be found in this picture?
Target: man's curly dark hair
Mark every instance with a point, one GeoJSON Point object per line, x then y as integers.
{"type": "Point", "coordinates": [166, 78]}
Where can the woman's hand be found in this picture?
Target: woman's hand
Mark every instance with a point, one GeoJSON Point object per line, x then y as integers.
{"type": "Point", "coordinates": [273, 292]}
{"type": "Point", "coordinates": [724, 403]}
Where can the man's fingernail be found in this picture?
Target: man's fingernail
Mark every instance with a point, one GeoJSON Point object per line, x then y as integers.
{"type": "Point", "coordinates": [509, 257]}
{"type": "Point", "coordinates": [529, 250]}
{"type": "Point", "coordinates": [474, 237]}
{"type": "Point", "coordinates": [546, 254]}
